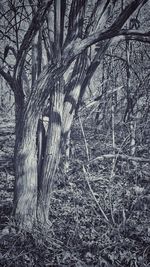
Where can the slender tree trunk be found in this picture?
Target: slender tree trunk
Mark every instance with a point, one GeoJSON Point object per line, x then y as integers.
{"type": "Point", "coordinates": [131, 119]}
{"type": "Point", "coordinates": [73, 90]}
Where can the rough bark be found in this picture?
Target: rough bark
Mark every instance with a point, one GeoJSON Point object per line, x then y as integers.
{"type": "Point", "coordinates": [25, 201]}
{"type": "Point", "coordinates": [52, 153]}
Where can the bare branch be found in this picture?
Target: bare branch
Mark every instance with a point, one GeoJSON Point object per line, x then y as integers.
{"type": "Point", "coordinates": [98, 11]}
{"type": "Point", "coordinates": [7, 77]}
{"type": "Point", "coordinates": [57, 28]}
{"type": "Point", "coordinates": [76, 47]}
{"type": "Point", "coordinates": [11, 48]}
{"type": "Point", "coordinates": [135, 35]}
{"type": "Point", "coordinates": [35, 25]}
{"type": "Point", "coordinates": [75, 20]}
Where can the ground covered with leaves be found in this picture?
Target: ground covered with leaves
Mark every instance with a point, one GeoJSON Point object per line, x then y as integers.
{"type": "Point", "coordinates": [98, 217]}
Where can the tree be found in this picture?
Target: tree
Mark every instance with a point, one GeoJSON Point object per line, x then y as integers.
{"type": "Point", "coordinates": [63, 32]}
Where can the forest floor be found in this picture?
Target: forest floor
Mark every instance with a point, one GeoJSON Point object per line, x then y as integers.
{"type": "Point", "coordinates": [100, 215]}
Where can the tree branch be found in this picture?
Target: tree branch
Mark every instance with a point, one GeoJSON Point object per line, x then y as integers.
{"type": "Point", "coordinates": [35, 25]}
{"type": "Point", "coordinates": [7, 77]}
{"type": "Point", "coordinates": [135, 35]}
{"type": "Point", "coordinates": [98, 12]}
{"type": "Point", "coordinates": [57, 28]}
{"type": "Point", "coordinates": [76, 47]}
{"type": "Point", "coordinates": [75, 24]}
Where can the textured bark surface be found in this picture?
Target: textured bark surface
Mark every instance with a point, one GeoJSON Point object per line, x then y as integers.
{"type": "Point", "coordinates": [52, 153]}
{"type": "Point", "coordinates": [25, 201]}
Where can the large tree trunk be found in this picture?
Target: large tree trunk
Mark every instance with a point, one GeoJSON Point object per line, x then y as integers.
{"type": "Point", "coordinates": [52, 153]}
{"type": "Point", "coordinates": [25, 196]}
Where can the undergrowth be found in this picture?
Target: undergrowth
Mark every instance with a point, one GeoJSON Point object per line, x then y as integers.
{"type": "Point", "coordinates": [96, 220]}
{"type": "Point", "coordinates": [98, 217]}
